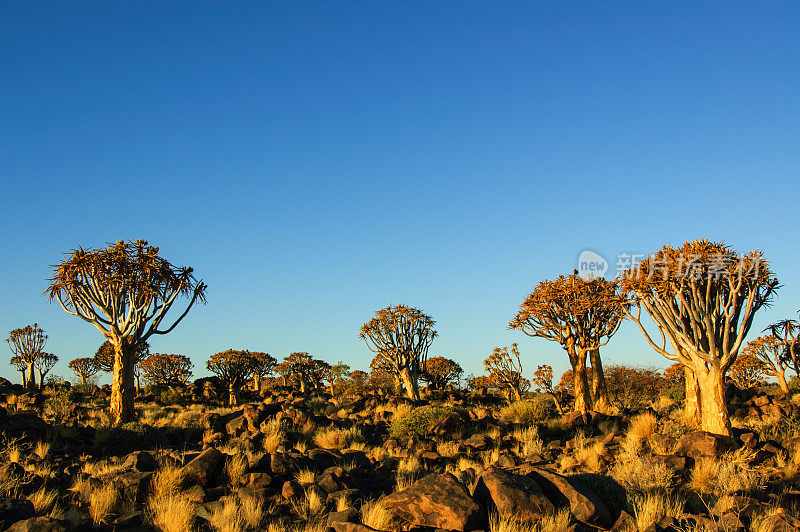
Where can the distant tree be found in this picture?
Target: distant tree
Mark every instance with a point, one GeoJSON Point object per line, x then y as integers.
{"type": "Point", "coordinates": [84, 368]}
{"type": "Point", "coordinates": [304, 369]}
{"type": "Point", "coordinates": [336, 373]}
{"type": "Point", "coordinates": [27, 344]}
{"type": "Point", "coordinates": [581, 315]}
{"type": "Point", "coordinates": [44, 363]}
{"type": "Point", "coordinates": [788, 331]}
{"type": "Point", "coordinates": [166, 370]}
{"type": "Point", "coordinates": [772, 352]}
{"type": "Point", "coordinates": [702, 297]}
{"type": "Point", "coordinates": [358, 381]}
{"type": "Point", "coordinates": [104, 358]}
{"type": "Point", "coordinates": [633, 388]}
{"type": "Point", "coordinates": [125, 290]}
{"type": "Point", "coordinates": [747, 371]}
{"type": "Point", "coordinates": [438, 372]}
{"type": "Point", "coordinates": [475, 383]}
{"type": "Point", "coordinates": [233, 367]}
{"type": "Point", "coordinates": [19, 363]}
{"type": "Point", "coordinates": [263, 366]}
{"type": "Point", "coordinates": [543, 383]}
{"type": "Point", "coordinates": [505, 371]}
{"type": "Point", "coordinates": [401, 337]}
{"type": "Point", "coordinates": [382, 376]}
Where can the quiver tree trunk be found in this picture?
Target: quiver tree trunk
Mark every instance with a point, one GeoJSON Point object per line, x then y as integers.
{"type": "Point", "coordinates": [581, 384]}
{"type": "Point", "coordinates": [599, 388]}
{"type": "Point", "coordinates": [692, 400]}
{"type": "Point", "coordinates": [410, 382]}
{"type": "Point", "coordinates": [713, 410]}
{"type": "Point", "coordinates": [233, 399]}
{"type": "Point", "coordinates": [30, 383]}
{"type": "Point", "coordinates": [784, 386]}
{"type": "Point", "coordinates": [123, 386]}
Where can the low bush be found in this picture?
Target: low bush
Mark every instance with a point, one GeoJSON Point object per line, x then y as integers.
{"type": "Point", "coordinates": [537, 410]}
{"type": "Point", "coordinates": [420, 421]}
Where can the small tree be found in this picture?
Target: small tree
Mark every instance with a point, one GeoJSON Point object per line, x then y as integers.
{"type": "Point", "coordinates": [19, 363]}
{"type": "Point", "coordinates": [44, 363]}
{"type": "Point", "coordinates": [440, 371]}
{"type": "Point", "coordinates": [358, 381]}
{"type": "Point", "coordinates": [263, 366]}
{"type": "Point", "coordinates": [401, 336]}
{"type": "Point", "coordinates": [581, 315]}
{"type": "Point", "coordinates": [747, 371]}
{"type": "Point", "coordinates": [166, 370]}
{"type": "Point", "coordinates": [27, 344]}
{"type": "Point", "coordinates": [232, 367]}
{"type": "Point", "coordinates": [772, 352]}
{"type": "Point", "coordinates": [543, 381]}
{"type": "Point", "coordinates": [306, 370]}
{"type": "Point", "coordinates": [84, 368]}
{"type": "Point", "coordinates": [125, 290]}
{"type": "Point", "coordinates": [788, 331]}
{"type": "Point", "coordinates": [479, 382]}
{"type": "Point", "coordinates": [336, 372]}
{"type": "Point", "coordinates": [633, 388]}
{"type": "Point", "coordinates": [702, 297]}
{"type": "Point", "coordinates": [505, 371]}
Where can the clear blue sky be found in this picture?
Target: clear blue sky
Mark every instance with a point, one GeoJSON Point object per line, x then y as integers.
{"type": "Point", "coordinates": [317, 161]}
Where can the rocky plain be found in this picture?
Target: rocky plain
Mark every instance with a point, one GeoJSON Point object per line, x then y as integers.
{"type": "Point", "coordinates": [457, 460]}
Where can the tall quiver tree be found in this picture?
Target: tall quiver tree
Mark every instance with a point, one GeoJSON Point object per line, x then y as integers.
{"type": "Point", "coordinates": [44, 363]}
{"type": "Point", "coordinates": [400, 336]}
{"type": "Point", "coordinates": [125, 290]}
{"type": "Point", "coordinates": [702, 298]}
{"type": "Point", "coordinates": [27, 344]}
{"type": "Point", "coordinates": [104, 359]}
{"type": "Point", "coordinates": [580, 314]}
{"type": "Point", "coordinates": [263, 366]}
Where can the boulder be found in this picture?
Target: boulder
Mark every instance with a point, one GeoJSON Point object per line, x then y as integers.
{"type": "Point", "coordinates": [583, 503]}
{"type": "Point", "coordinates": [700, 443]}
{"type": "Point", "coordinates": [205, 468]}
{"type": "Point", "coordinates": [13, 510]}
{"type": "Point", "coordinates": [510, 495]}
{"type": "Point", "coordinates": [141, 461]}
{"type": "Point", "coordinates": [41, 524]}
{"type": "Point", "coordinates": [437, 501]}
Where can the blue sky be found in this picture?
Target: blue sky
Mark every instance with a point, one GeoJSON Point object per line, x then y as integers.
{"type": "Point", "coordinates": [316, 161]}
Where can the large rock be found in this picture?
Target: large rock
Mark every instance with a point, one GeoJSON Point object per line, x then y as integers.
{"type": "Point", "coordinates": [205, 468]}
{"type": "Point", "coordinates": [41, 524]}
{"type": "Point", "coordinates": [437, 501]}
{"type": "Point", "coordinates": [13, 510]}
{"type": "Point", "coordinates": [700, 443]}
{"type": "Point", "coordinates": [141, 461]}
{"type": "Point", "coordinates": [583, 502]}
{"type": "Point", "coordinates": [510, 495]}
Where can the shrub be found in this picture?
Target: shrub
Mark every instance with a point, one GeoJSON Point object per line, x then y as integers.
{"type": "Point", "coordinates": [421, 420]}
{"type": "Point", "coordinates": [633, 388]}
{"type": "Point", "coordinates": [58, 405]}
{"type": "Point", "coordinates": [531, 411]}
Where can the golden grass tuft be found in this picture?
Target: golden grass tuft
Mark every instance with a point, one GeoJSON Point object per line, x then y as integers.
{"type": "Point", "coordinates": [652, 507]}
{"type": "Point", "coordinates": [227, 517]}
{"type": "Point", "coordinates": [251, 509]}
{"type": "Point", "coordinates": [171, 511]}
{"type": "Point", "coordinates": [41, 449]}
{"type": "Point", "coordinates": [529, 440]}
{"type": "Point", "coordinates": [333, 438]}
{"type": "Point", "coordinates": [43, 500]}
{"type": "Point", "coordinates": [167, 481]}
{"type": "Point", "coordinates": [102, 501]}
{"type": "Point", "coordinates": [589, 453]}
{"type": "Point", "coordinates": [556, 522]}
{"type": "Point", "coordinates": [374, 515]}
{"type": "Point", "coordinates": [235, 468]}
{"type": "Point", "coordinates": [641, 473]}
{"type": "Point", "coordinates": [640, 429]}
{"type": "Point", "coordinates": [305, 477]}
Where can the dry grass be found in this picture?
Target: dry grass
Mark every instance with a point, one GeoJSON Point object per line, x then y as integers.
{"type": "Point", "coordinates": [333, 438]}
{"type": "Point", "coordinates": [374, 515]}
{"type": "Point", "coordinates": [171, 512]}
{"type": "Point", "coordinates": [305, 477]}
{"type": "Point", "coordinates": [273, 437]}
{"type": "Point", "coordinates": [588, 453]}
{"type": "Point", "coordinates": [448, 449]}
{"type": "Point", "coordinates": [704, 474]}
{"type": "Point", "coordinates": [309, 507]}
{"type": "Point", "coordinates": [409, 465]}
{"type": "Point", "coordinates": [641, 428]}
{"type": "Point", "coordinates": [557, 522]}
{"type": "Point", "coordinates": [529, 440]}
{"type": "Point", "coordinates": [42, 449]}
{"type": "Point", "coordinates": [227, 518]}
{"type": "Point", "coordinates": [102, 501]}
{"type": "Point", "coordinates": [652, 507]}
{"type": "Point", "coordinates": [14, 454]}
{"type": "Point", "coordinates": [167, 481]}
{"type": "Point", "coordinates": [251, 509]}
{"type": "Point", "coordinates": [728, 474]}
{"type": "Point", "coordinates": [43, 500]}
{"type": "Point", "coordinates": [235, 468]}
{"type": "Point", "coordinates": [641, 473]}
{"type": "Point", "coordinates": [490, 457]}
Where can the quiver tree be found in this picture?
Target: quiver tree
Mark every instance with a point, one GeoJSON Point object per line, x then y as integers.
{"type": "Point", "coordinates": [233, 367]}
{"type": "Point", "coordinates": [771, 352]}
{"type": "Point", "coordinates": [381, 375]}
{"type": "Point", "coordinates": [747, 371]}
{"type": "Point", "coordinates": [400, 336]}
{"type": "Point", "coordinates": [84, 368]}
{"type": "Point", "coordinates": [307, 371]}
{"type": "Point", "coordinates": [162, 369]}
{"type": "Point", "coordinates": [335, 373]}
{"type": "Point", "coordinates": [543, 383]}
{"type": "Point", "coordinates": [263, 366]}
{"type": "Point", "coordinates": [27, 344]}
{"type": "Point", "coordinates": [788, 331]}
{"type": "Point", "coordinates": [505, 371]}
{"type": "Point", "coordinates": [19, 363]}
{"type": "Point", "coordinates": [702, 298]}
{"type": "Point", "coordinates": [104, 358]}
{"type": "Point", "coordinates": [582, 315]}
{"type": "Point", "coordinates": [438, 372]}
{"type": "Point", "coordinates": [44, 363]}
{"type": "Point", "coordinates": [358, 381]}
{"type": "Point", "coordinates": [125, 290]}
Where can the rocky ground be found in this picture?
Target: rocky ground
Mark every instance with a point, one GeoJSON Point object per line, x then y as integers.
{"type": "Point", "coordinates": [457, 461]}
